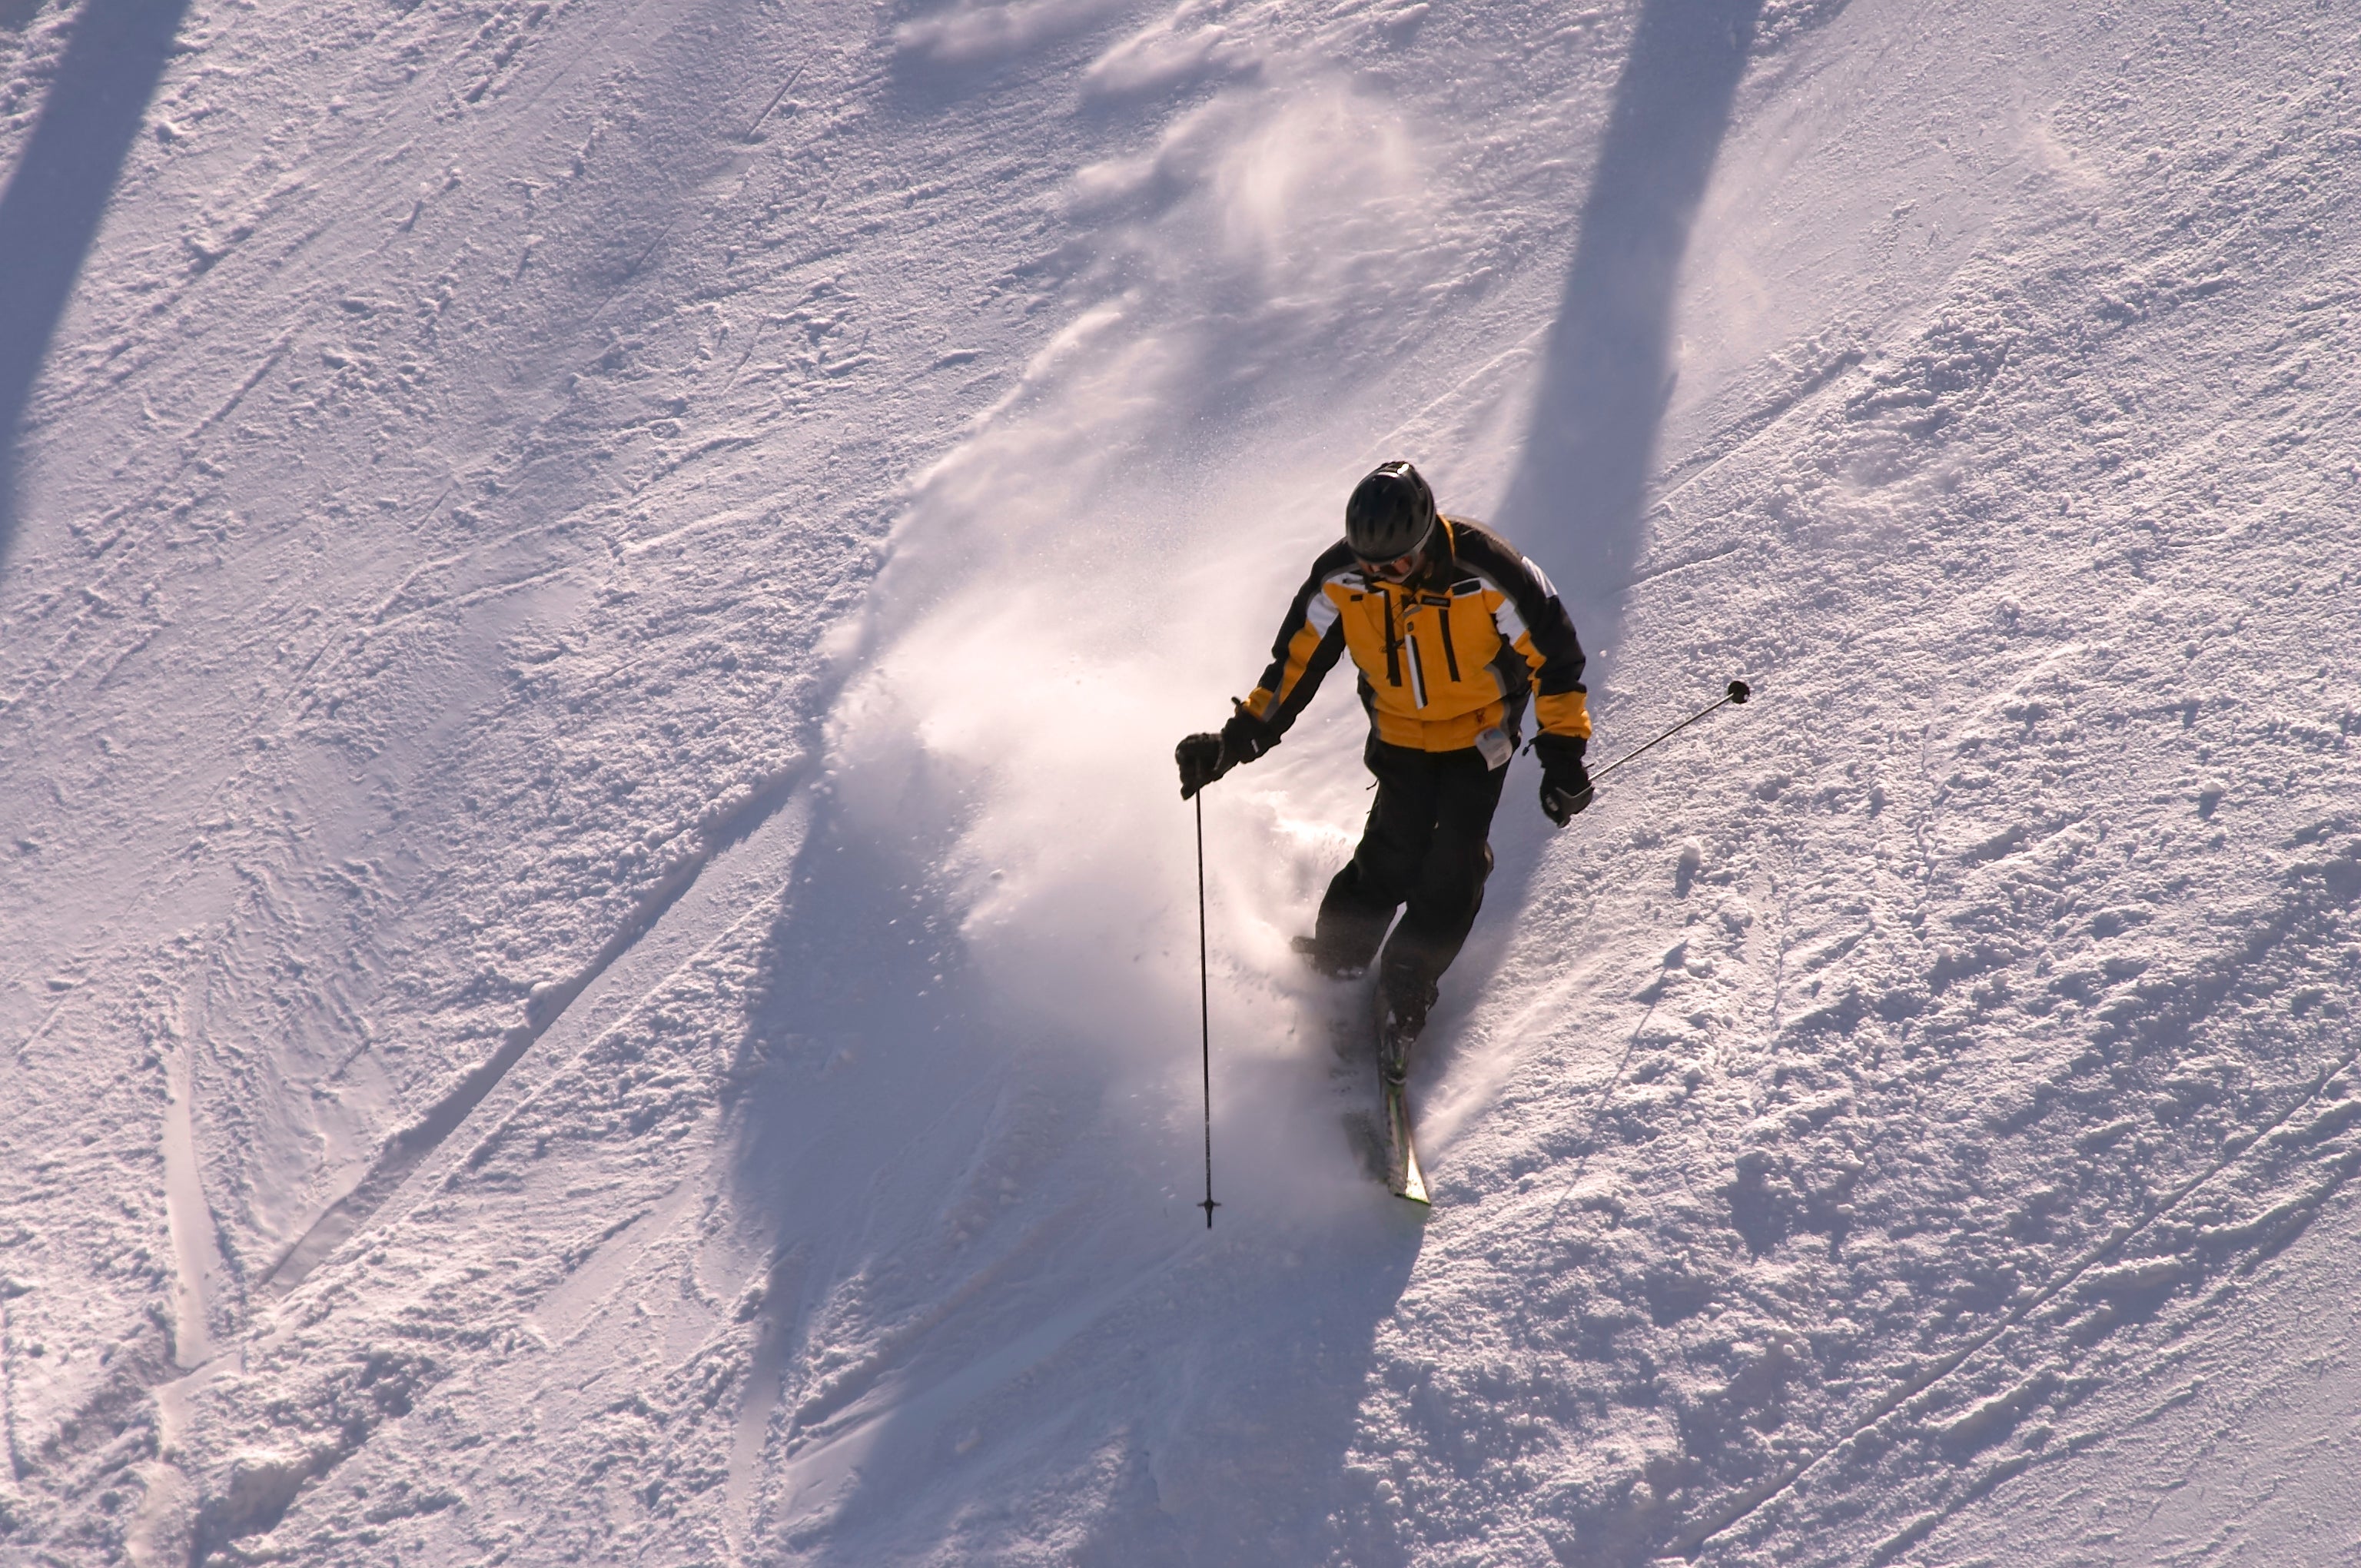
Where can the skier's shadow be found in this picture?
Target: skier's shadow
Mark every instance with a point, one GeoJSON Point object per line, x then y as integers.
{"type": "Point", "coordinates": [59, 190]}
{"type": "Point", "coordinates": [1577, 499]}
{"type": "Point", "coordinates": [1578, 493]}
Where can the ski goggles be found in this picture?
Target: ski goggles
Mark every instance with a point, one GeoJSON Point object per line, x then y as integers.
{"type": "Point", "coordinates": [1401, 565]}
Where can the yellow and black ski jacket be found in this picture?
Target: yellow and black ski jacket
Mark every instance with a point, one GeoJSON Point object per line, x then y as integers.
{"type": "Point", "coordinates": [1454, 653]}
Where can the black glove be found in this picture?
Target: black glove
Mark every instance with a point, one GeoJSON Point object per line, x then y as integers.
{"type": "Point", "coordinates": [1207, 756]}
{"type": "Point", "coordinates": [1200, 757]}
{"type": "Point", "coordinates": [1566, 782]}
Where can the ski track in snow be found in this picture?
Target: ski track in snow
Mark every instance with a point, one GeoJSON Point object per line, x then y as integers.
{"type": "Point", "coordinates": [594, 597]}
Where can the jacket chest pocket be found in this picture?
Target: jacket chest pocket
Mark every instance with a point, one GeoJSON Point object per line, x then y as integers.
{"type": "Point", "coordinates": [1423, 645]}
{"type": "Point", "coordinates": [1433, 630]}
{"type": "Point", "coordinates": [1470, 641]}
{"type": "Point", "coordinates": [1451, 629]}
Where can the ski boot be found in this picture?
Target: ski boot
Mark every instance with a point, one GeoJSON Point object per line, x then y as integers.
{"type": "Point", "coordinates": [1402, 1016]}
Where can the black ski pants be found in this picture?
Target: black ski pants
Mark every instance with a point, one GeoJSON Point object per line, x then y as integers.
{"type": "Point", "coordinates": [1425, 847]}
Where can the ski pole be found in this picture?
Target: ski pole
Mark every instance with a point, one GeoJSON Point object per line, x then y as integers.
{"type": "Point", "coordinates": [1735, 697]}
{"type": "Point", "coordinates": [1205, 1013]}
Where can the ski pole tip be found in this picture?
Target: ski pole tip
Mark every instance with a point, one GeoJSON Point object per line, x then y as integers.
{"type": "Point", "coordinates": [1209, 1206]}
{"type": "Point", "coordinates": [1740, 691]}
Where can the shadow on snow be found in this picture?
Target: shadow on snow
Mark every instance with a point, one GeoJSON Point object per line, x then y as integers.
{"type": "Point", "coordinates": [1578, 500]}
{"type": "Point", "coordinates": [1579, 490]}
{"type": "Point", "coordinates": [59, 191]}
{"type": "Point", "coordinates": [990, 1283]}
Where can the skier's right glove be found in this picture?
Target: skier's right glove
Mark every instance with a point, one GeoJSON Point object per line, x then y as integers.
{"type": "Point", "coordinates": [1207, 756]}
{"type": "Point", "coordinates": [1200, 757]}
{"type": "Point", "coordinates": [1566, 782]}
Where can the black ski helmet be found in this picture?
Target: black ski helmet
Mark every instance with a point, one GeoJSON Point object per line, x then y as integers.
{"type": "Point", "coordinates": [1390, 514]}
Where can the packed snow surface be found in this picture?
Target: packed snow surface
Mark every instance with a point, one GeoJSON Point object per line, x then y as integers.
{"type": "Point", "coordinates": [594, 596]}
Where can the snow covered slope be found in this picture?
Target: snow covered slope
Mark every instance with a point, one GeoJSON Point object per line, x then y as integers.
{"type": "Point", "coordinates": [594, 599]}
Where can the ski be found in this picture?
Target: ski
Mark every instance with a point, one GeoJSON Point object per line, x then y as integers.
{"type": "Point", "coordinates": [1386, 1151]}
{"type": "Point", "coordinates": [1398, 1028]}
{"type": "Point", "coordinates": [1402, 1173]}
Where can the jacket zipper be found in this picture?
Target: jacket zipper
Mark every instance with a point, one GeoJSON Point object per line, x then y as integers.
{"type": "Point", "coordinates": [1393, 643]}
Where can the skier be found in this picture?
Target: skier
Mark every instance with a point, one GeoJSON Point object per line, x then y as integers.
{"type": "Point", "coordinates": [1454, 633]}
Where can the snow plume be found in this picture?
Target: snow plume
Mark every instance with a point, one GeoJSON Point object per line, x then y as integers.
{"type": "Point", "coordinates": [1078, 584]}
{"type": "Point", "coordinates": [969, 35]}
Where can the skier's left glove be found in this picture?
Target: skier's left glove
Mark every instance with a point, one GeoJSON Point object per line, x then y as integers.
{"type": "Point", "coordinates": [1205, 757]}
{"type": "Point", "coordinates": [1566, 782]}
